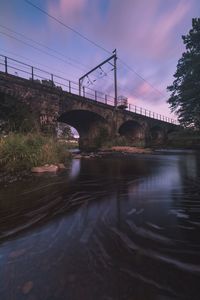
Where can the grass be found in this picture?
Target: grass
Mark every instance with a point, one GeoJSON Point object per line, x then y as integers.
{"type": "Point", "coordinates": [124, 142]}
{"type": "Point", "coordinates": [19, 152]}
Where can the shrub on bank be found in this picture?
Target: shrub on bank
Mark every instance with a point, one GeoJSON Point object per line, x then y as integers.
{"type": "Point", "coordinates": [186, 139]}
{"type": "Point", "coordinates": [124, 142]}
{"type": "Point", "coordinates": [20, 152]}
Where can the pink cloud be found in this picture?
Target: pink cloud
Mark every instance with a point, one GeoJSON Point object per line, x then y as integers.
{"type": "Point", "coordinates": [69, 10]}
{"type": "Point", "coordinates": [163, 31]}
{"type": "Point", "coordinates": [141, 27]}
{"type": "Point", "coordinates": [143, 89]}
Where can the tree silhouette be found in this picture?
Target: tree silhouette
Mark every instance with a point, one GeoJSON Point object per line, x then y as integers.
{"type": "Point", "coordinates": [185, 90]}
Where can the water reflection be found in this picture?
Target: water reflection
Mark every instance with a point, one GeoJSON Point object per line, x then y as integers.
{"type": "Point", "coordinates": [113, 228]}
{"type": "Point", "coordinates": [75, 168]}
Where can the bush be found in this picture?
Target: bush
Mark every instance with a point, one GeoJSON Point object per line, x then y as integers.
{"type": "Point", "coordinates": [186, 139]}
{"type": "Point", "coordinates": [124, 142]}
{"type": "Point", "coordinates": [20, 152]}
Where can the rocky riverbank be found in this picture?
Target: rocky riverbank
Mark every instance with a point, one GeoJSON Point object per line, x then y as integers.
{"type": "Point", "coordinates": [113, 151]}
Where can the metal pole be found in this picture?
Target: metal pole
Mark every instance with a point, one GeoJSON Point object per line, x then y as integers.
{"type": "Point", "coordinates": [101, 64]}
{"type": "Point", "coordinates": [114, 56]}
{"type": "Point", "coordinates": [69, 86]}
{"type": "Point", "coordinates": [6, 65]}
{"type": "Point", "coordinates": [52, 80]}
{"type": "Point", "coordinates": [80, 83]}
{"type": "Point", "coordinates": [115, 75]}
{"type": "Point", "coordinates": [105, 99]}
{"type": "Point", "coordinates": [32, 74]}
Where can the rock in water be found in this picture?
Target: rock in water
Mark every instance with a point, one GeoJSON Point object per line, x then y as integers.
{"type": "Point", "coordinates": [49, 168]}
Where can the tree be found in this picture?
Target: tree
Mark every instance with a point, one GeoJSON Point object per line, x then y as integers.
{"type": "Point", "coordinates": [64, 131]}
{"type": "Point", "coordinates": [185, 90]}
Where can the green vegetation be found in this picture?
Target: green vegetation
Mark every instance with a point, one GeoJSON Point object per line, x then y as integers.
{"type": "Point", "coordinates": [123, 141]}
{"type": "Point", "coordinates": [16, 116]}
{"type": "Point", "coordinates": [22, 144]}
{"type": "Point", "coordinates": [185, 90]}
{"type": "Point", "coordinates": [185, 139]}
{"type": "Point", "coordinates": [19, 152]}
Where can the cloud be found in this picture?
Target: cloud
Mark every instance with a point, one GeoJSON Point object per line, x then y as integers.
{"type": "Point", "coordinates": [143, 27]}
{"type": "Point", "coordinates": [69, 10]}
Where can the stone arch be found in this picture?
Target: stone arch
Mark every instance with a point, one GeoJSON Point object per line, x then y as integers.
{"type": "Point", "coordinates": [92, 128]}
{"type": "Point", "coordinates": [133, 131]}
{"type": "Point", "coordinates": [157, 134]}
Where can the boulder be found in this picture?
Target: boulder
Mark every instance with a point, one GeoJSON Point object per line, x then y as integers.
{"type": "Point", "coordinates": [61, 166]}
{"type": "Point", "coordinates": [46, 168]}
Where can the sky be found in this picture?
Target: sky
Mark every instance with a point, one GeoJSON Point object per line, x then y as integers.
{"type": "Point", "coordinates": [146, 33]}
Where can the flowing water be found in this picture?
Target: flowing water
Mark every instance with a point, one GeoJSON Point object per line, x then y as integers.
{"type": "Point", "coordinates": [108, 228]}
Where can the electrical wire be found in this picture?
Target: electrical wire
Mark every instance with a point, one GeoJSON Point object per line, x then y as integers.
{"type": "Point", "coordinates": [68, 27]}
{"type": "Point", "coordinates": [42, 45]}
{"type": "Point", "coordinates": [137, 74]}
{"type": "Point", "coordinates": [48, 48]}
{"type": "Point", "coordinates": [32, 61]}
{"type": "Point", "coordinates": [36, 48]}
{"type": "Point", "coordinates": [92, 42]}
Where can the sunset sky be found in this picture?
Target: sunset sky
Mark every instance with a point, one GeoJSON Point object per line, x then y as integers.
{"type": "Point", "coordinates": [146, 33]}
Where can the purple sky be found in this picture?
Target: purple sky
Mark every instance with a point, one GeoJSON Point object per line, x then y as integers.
{"type": "Point", "coordinates": [146, 33]}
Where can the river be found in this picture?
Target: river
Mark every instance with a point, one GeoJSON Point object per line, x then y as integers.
{"type": "Point", "coordinates": [124, 227]}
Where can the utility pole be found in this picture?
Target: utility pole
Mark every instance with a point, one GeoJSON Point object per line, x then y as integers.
{"type": "Point", "coordinates": [113, 57]}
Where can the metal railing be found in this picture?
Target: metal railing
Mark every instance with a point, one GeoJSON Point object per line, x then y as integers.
{"type": "Point", "coordinates": [15, 67]}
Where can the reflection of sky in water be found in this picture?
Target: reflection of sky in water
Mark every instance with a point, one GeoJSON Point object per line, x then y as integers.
{"type": "Point", "coordinates": [166, 178]}
{"type": "Point", "coordinates": [75, 168]}
{"type": "Point", "coordinates": [191, 166]}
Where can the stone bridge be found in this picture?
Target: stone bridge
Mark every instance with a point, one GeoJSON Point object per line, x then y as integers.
{"type": "Point", "coordinates": [96, 123]}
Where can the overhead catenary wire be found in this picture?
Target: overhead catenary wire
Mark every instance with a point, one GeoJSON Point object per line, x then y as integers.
{"type": "Point", "coordinates": [137, 74]}
{"type": "Point", "coordinates": [67, 26]}
{"type": "Point", "coordinates": [48, 48]}
{"type": "Point", "coordinates": [38, 49]}
{"type": "Point", "coordinates": [31, 60]}
{"type": "Point", "coordinates": [27, 44]}
{"type": "Point", "coordinates": [42, 45]}
{"type": "Point", "coordinates": [94, 43]}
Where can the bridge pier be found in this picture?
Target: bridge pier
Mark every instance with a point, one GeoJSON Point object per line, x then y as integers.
{"type": "Point", "coordinates": [158, 136]}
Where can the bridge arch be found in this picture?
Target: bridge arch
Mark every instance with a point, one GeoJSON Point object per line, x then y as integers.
{"type": "Point", "coordinates": [157, 134]}
{"type": "Point", "coordinates": [91, 127]}
{"type": "Point", "coordinates": [133, 131]}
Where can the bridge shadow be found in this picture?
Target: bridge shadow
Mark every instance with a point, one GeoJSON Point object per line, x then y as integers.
{"type": "Point", "coordinates": [91, 127]}
{"type": "Point", "coordinates": [133, 132]}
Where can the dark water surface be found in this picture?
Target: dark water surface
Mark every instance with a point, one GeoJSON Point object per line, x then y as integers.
{"type": "Point", "coordinates": [113, 228]}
